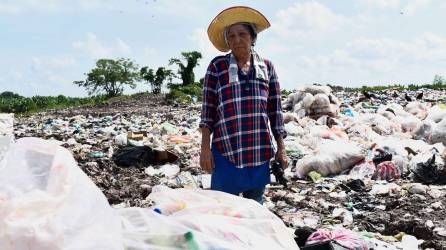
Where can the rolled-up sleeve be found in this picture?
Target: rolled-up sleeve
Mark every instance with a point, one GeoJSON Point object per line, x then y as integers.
{"type": "Point", "coordinates": [208, 108]}
{"type": "Point", "coordinates": [275, 104]}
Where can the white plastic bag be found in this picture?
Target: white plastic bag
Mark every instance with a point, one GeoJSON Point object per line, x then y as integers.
{"type": "Point", "coordinates": [437, 113]}
{"type": "Point", "coordinates": [330, 157]}
{"type": "Point", "coordinates": [439, 133]}
{"type": "Point", "coordinates": [215, 219]}
{"type": "Point", "coordinates": [315, 89]}
{"type": "Point", "coordinates": [48, 203]}
{"type": "Point", "coordinates": [6, 133]}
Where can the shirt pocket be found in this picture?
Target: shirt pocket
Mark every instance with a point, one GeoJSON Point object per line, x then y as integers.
{"type": "Point", "coordinates": [262, 89]}
{"type": "Point", "coordinates": [225, 92]}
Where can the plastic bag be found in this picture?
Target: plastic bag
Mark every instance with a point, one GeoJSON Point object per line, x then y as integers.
{"type": "Point", "coordinates": [429, 168]}
{"type": "Point", "coordinates": [331, 157]}
{"type": "Point", "coordinates": [436, 113]}
{"type": "Point", "coordinates": [342, 236]}
{"type": "Point", "coordinates": [408, 123]}
{"type": "Point", "coordinates": [382, 156]}
{"type": "Point", "coordinates": [439, 133]}
{"type": "Point", "coordinates": [424, 130]}
{"type": "Point", "coordinates": [141, 156]}
{"type": "Point", "coordinates": [387, 171]}
{"type": "Point", "coordinates": [315, 89]}
{"type": "Point", "coordinates": [48, 203]}
{"type": "Point", "coordinates": [289, 117]}
{"type": "Point", "coordinates": [307, 101]}
{"type": "Point", "coordinates": [6, 123]}
{"type": "Point", "coordinates": [417, 108]}
{"type": "Point", "coordinates": [215, 219]}
{"type": "Point", "coordinates": [134, 156]}
{"type": "Point", "coordinates": [364, 170]}
{"type": "Point", "coordinates": [6, 133]}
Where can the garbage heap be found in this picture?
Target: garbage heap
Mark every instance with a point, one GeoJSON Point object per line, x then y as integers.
{"type": "Point", "coordinates": [313, 101]}
{"type": "Point", "coordinates": [367, 175]}
{"type": "Point", "coordinates": [377, 166]}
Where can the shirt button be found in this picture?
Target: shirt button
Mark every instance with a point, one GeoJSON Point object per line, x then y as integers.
{"type": "Point", "coordinates": [247, 88]}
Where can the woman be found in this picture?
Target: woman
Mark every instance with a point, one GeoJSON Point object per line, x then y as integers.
{"type": "Point", "coordinates": [241, 96]}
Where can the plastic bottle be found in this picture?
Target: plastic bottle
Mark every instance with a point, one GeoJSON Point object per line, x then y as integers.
{"type": "Point", "coordinates": [190, 240]}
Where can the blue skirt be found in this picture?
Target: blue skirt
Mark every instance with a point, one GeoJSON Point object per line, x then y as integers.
{"type": "Point", "coordinates": [228, 178]}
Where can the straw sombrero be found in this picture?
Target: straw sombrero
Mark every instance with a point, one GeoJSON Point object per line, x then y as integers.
{"type": "Point", "coordinates": [231, 16]}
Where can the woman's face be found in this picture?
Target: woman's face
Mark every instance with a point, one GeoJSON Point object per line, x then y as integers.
{"type": "Point", "coordinates": [239, 40]}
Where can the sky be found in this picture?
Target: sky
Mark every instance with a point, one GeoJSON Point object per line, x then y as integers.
{"type": "Point", "coordinates": [45, 45]}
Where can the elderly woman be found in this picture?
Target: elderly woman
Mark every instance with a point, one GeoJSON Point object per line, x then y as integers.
{"type": "Point", "coordinates": [241, 98]}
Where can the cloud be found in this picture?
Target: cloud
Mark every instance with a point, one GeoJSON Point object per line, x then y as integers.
{"type": "Point", "coordinates": [149, 52]}
{"type": "Point", "coordinates": [20, 6]}
{"type": "Point", "coordinates": [96, 49]}
{"type": "Point", "coordinates": [381, 4]}
{"type": "Point", "coordinates": [415, 6]}
{"type": "Point", "coordinates": [54, 6]}
{"type": "Point", "coordinates": [200, 38]}
{"type": "Point", "coordinates": [429, 47]}
{"type": "Point", "coordinates": [188, 9]}
{"type": "Point", "coordinates": [39, 63]}
{"type": "Point", "coordinates": [308, 20]}
{"type": "Point", "coordinates": [9, 8]}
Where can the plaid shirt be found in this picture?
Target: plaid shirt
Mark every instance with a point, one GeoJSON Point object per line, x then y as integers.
{"type": "Point", "coordinates": [237, 108]}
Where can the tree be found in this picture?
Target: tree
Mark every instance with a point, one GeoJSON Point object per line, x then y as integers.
{"type": "Point", "coordinates": [438, 80]}
{"type": "Point", "coordinates": [110, 77]}
{"type": "Point", "coordinates": [9, 94]}
{"type": "Point", "coordinates": [187, 72]}
{"type": "Point", "coordinates": [156, 79]}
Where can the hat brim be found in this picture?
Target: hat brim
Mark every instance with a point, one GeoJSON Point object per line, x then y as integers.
{"type": "Point", "coordinates": [231, 16]}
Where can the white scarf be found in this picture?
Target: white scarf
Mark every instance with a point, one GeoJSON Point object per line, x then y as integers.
{"type": "Point", "coordinates": [260, 68]}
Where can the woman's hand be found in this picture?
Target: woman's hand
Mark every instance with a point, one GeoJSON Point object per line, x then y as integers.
{"type": "Point", "coordinates": [206, 160]}
{"type": "Point", "coordinates": [282, 158]}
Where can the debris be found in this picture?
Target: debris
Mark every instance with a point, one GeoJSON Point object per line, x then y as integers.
{"type": "Point", "coordinates": [343, 237]}
{"type": "Point", "coordinates": [315, 176]}
{"type": "Point", "coordinates": [383, 123]}
{"type": "Point", "coordinates": [418, 188]}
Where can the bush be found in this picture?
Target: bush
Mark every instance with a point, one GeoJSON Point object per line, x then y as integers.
{"type": "Point", "coordinates": [17, 105]}
{"type": "Point", "coordinates": [13, 103]}
{"type": "Point", "coordinates": [285, 93]}
{"type": "Point", "coordinates": [185, 94]}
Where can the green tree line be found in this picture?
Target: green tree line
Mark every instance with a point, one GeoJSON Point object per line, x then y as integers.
{"type": "Point", "coordinates": [437, 84]}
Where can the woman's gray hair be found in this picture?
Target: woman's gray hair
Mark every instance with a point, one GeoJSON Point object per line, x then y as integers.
{"type": "Point", "coordinates": [249, 26]}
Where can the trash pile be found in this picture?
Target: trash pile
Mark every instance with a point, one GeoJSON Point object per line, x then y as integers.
{"type": "Point", "coordinates": [377, 163]}
{"type": "Point", "coordinates": [160, 146]}
{"type": "Point", "coordinates": [367, 170]}
{"type": "Point", "coordinates": [314, 101]}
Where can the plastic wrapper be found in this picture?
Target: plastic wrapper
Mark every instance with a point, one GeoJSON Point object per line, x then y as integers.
{"type": "Point", "coordinates": [364, 170]}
